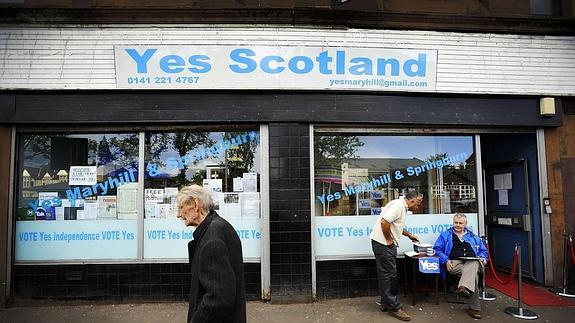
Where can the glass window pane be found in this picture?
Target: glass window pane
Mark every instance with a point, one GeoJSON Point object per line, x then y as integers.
{"type": "Point", "coordinates": [226, 162]}
{"type": "Point", "coordinates": [356, 175]}
{"type": "Point", "coordinates": [77, 196]}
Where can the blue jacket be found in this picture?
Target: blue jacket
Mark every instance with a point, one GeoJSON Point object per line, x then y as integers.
{"type": "Point", "coordinates": [444, 244]}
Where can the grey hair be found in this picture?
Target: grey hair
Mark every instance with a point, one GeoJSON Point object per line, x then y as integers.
{"type": "Point", "coordinates": [413, 194]}
{"type": "Point", "coordinates": [460, 215]}
{"type": "Point", "coordinates": [191, 192]}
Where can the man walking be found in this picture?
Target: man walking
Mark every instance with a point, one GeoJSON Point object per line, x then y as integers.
{"type": "Point", "coordinates": [384, 242]}
{"type": "Point", "coordinates": [217, 278]}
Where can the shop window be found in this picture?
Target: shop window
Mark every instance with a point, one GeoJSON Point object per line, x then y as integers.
{"type": "Point", "coordinates": [355, 175]}
{"type": "Point", "coordinates": [77, 197]}
{"type": "Point", "coordinates": [227, 163]}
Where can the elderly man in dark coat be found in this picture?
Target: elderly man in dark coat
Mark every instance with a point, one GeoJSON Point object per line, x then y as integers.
{"type": "Point", "coordinates": [217, 282]}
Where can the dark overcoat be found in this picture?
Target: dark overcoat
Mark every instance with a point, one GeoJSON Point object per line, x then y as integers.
{"type": "Point", "coordinates": [217, 276]}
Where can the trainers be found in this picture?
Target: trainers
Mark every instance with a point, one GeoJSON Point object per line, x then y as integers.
{"type": "Point", "coordinates": [462, 291]}
{"type": "Point", "coordinates": [400, 314]}
{"type": "Point", "coordinates": [476, 314]}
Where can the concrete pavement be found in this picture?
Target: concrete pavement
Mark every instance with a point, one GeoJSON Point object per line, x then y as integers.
{"type": "Point", "coordinates": [352, 310]}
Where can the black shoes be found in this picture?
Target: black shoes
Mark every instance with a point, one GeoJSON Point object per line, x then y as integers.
{"type": "Point", "coordinates": [462, 292]}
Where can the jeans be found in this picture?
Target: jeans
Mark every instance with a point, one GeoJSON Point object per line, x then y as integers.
{"type": "Point", "coordinates": [386, 274]}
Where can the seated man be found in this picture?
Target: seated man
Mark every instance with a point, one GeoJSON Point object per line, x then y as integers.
{"type": "Point", "coordinates": [454, 243]}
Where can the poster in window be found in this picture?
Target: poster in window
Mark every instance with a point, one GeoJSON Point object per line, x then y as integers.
{"type": "Point", "coordinates": [231, 206]}
{"type": "Point", "coordinates": [364, 203]}
{"type": "Point", "coordinates": [238, 184]}
{"type": "Point", "coordinates": [83, 175]}
{"type": "Point", "coordinates": [154, 195]}
{"type": "Point", "coordinates": [46, 213]}
{"type": "Point", "coordinates": [106, 207]}
{"type": "Point", "coordinates": [127, 202]}
{"type": "Point", "coordinates": [250, 205]}
{"type": "Point", "coordinates": [170, 197]}
{"type": "Point", "coordinates": [90, 211]}
{"type": "Point", "coordinates": [250, 182]}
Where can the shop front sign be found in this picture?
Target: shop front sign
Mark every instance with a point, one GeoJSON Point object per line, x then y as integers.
{"type": "Point", "coordinates": [281, 67]}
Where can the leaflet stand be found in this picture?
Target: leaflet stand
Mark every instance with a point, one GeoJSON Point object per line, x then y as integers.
{"type": "Point", "coordinates": [567, 239]}
{"type": "Point", "coordinates": [520, 312]}
{"type": "Point", "coordinates": [485, 296]}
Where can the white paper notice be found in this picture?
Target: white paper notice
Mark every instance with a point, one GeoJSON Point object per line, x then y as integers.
{"type": "Point", "coordinates": [250, 182]}
{"type": "Point", "coordinates": [106, 207]}
{"type": "Point", "coordinates": [90, 211]}
{"type": "Point", "coordinates": [127, 202]}
{"type": "Point", "coordinates": [503, 197]}
{"type": "Point", "coordinates": [497, 182]}
{"type": "Point", "coordinates": [171, 193]}
{"type": "Point", "coordinates": [504, 221]}
{"type": "Point", "coordinates": [154, 195]}
{"type": "Point", "coordinates": [232, 205]}
{"type": "Point", "coordinates": [507, 181]}
{"type": "Point", "coordinates": [83, 175]}
{"type": "Point", "coordinates": [238, 184]}
{"type": "Point", "coordinates": [250, 205]}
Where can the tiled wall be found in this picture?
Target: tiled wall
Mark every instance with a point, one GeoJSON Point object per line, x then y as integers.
{"type": "Point", "coordinates": [157, 281]}
{"type": "Point", "coordinates": [352, 278]}
{"type": "Point", "coordinates": [290, 236]}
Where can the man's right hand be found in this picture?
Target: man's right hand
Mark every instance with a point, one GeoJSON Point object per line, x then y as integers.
{"type": "Point", "coordinates": [449, 265]}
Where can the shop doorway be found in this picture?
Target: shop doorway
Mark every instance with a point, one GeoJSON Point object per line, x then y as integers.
{"type": "Point", "coordinates": [512, 212]}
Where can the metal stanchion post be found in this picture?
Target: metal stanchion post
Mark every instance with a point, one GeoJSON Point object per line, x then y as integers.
{"type": "Point", "coordinates": [485, 295]}
{"type": "Point", "coordinates": [520, 312]}
{"type": "Point", "coordinates": [563, 291]}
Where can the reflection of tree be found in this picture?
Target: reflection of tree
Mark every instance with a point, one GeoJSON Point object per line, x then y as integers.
{"type": "Point", "coordinates": [242, 156]}
{"type": "Point", "coordinates": [124, 148]}
{"type": "Point", "coordinates": [37, 145]}
{"type": "Point", "coordinates": [104, 153]}
{"type": "Point", "coordinates": [333, 150]}
{"type": "Point", "coordinates": [435, 157]}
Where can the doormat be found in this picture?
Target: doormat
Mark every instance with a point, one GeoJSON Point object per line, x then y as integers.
{"type": "Point", "coordinates": [533, 295]}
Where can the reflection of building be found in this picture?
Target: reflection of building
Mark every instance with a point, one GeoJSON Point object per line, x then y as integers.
{"type": "Point", "coordinates": [36, 179]}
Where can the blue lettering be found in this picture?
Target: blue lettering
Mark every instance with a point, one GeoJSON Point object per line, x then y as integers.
{"type": "Point", "coordinates": [419, 64]}
{"type": "Point", "coordinates": [307, 64]}
{"type": "Point", "coordinates": [340, 62]}
{"type": "Point", "coordinates": [265, 64]}
{"type": "Point", "coordinates": [324, 59]}
{"type": "Point", "coordinates": [237, 55]}
{"type": "Point", "coordinates": [172, 64]}
{"type": "Point", "coordinates": [141, 61]}
{"type": "Point", "coordinates": [382, 63]}
{"type": "Point", "coordinates": [364, 66]}
{"type": "Point", "coordinates": [200, 65]}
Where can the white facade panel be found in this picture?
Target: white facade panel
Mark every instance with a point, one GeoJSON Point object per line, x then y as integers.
{"type": "Point", "coordinates": [80, 57]}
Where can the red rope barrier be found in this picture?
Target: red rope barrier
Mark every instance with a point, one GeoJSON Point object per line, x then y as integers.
{"type": "Point", "coordinates": [510, 278]}
{"type": "Point", "coordinates": [572, 249]}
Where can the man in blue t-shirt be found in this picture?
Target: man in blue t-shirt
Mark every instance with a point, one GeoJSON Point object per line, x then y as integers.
{"type": "Point", "coordinates": [453, 246]}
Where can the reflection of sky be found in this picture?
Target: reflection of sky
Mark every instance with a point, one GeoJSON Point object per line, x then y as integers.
{"type": "Point", "coordinates": [420, 147]}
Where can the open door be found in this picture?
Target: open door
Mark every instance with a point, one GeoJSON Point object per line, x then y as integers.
{"type": "Point", "coordinates": [512, 201]}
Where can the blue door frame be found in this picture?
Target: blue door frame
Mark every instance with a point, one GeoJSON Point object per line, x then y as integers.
{"type": "Point", "coordinates": [514, 153]}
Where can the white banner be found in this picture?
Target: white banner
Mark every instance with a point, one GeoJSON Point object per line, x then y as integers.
{"type": "Point", "coordinates": [341, 236]}
{"type": "Point", "coordinates": [258, 67]}
{"type": "Point", "coordinates": [168, 238]}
